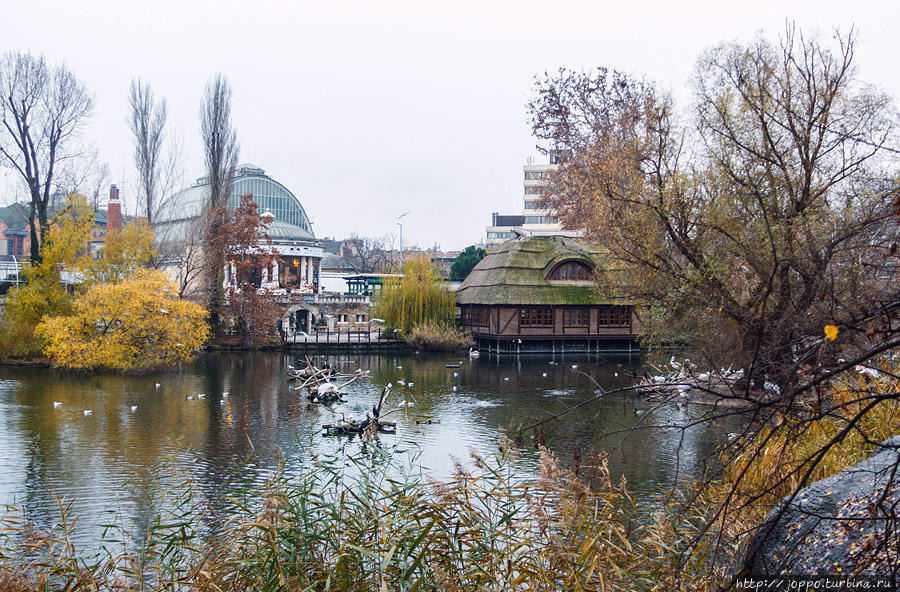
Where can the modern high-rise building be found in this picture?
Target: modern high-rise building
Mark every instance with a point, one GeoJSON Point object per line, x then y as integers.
{"type": "Point", "coordinates": [535, 220]}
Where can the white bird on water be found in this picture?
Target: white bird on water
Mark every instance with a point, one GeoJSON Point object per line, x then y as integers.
{"type": "Point", "coordinates": [401, 382]}
{"type": "Point", "coordinates": [189, 398]}
{"type": "Point", "coordinates": [57, 404]}
{"type": "Point", "coordinates": [201, 396]}
{"type": "Point", "coordinates": [87, 412]}
{"type": "Point", "coordinates": [474, 353]}
{"type": "Point", "coordinates": [409, 385]}
{"type": "Point", "coordinates": [133, 408]}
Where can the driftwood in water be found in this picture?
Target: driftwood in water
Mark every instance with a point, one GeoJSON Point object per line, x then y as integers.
{"type": "Point", "coordinates": [373, 420]}
{"type": "Point", "coordinates": [349, 426]}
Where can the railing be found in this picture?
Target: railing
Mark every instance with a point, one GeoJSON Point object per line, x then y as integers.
{"type": "Point", "coordinates": [325, 335]}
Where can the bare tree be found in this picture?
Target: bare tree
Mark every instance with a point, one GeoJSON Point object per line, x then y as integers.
{"type": "Point", "coordinates": [42, 111]}
{"type": "Point", "coordinates": [366, 254]}
{"type": "Point", "coordinates": [220, 148]}
{"type": "Point", "coordinates": [147, 124]}
{"type": "Point", "coordinates": [750, 225]}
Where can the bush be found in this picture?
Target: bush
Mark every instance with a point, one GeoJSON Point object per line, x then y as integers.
{"type": "Point", "coordinates": [438, 337]}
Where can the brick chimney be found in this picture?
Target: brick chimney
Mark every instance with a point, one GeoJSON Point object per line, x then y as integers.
{"type": "Point", "coordinates": [113, 211]}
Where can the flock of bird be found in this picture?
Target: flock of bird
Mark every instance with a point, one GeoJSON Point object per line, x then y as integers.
{"type": "Point", "coordinates": [134, 408]}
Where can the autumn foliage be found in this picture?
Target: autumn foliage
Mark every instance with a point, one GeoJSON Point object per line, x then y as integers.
{"type": "Point", "coordinates": [134, 324]}
{"type": "Point", "coordinates": [248, 251]}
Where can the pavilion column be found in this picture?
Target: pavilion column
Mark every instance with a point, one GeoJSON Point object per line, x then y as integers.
{"type": "Point", "coordinates": [304, 264]}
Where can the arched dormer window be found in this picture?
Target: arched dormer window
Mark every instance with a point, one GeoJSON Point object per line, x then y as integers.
{"type": "Point", "coordinates": [571, 271]}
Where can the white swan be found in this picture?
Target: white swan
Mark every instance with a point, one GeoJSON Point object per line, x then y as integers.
{"type": "Point", "coordinates": [474, 354]}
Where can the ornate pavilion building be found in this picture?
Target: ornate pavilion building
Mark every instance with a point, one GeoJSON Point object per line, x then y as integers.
{"type": "Point", "coordinates": [295, 281]}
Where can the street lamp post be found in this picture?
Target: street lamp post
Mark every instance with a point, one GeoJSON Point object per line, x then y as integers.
{"type": "Point", "coordinates": [401, 234]}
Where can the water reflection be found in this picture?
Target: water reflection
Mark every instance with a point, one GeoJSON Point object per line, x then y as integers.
{"type": "Point", "coordinates": [118, 462]}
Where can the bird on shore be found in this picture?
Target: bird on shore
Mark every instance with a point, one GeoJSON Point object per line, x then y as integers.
{"type": "Point", "coordinates": [57, 404]}
{"type": "Point", "coordinates": [87, 412]}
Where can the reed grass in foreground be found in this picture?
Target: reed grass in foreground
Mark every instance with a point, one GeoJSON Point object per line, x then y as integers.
{"type": "Point", "coordinates": [382, 529]}
{"type": "Point", "coordinates": [368, 523]}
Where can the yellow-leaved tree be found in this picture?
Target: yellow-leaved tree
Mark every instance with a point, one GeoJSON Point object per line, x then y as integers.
{"type": "Point", "coordinates": [136, 324]}
{"type": "Point", "coordinates": [44, 290]}
{"type": "Point", "coordinates": [123, 252]}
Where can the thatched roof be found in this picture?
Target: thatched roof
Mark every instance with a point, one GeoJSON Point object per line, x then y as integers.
{"type": "Point", "coordinates": [516, 272]}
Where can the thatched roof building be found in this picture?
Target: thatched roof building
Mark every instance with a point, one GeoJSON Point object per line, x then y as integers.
{"type": "Point", "coordinates": [540, 293]}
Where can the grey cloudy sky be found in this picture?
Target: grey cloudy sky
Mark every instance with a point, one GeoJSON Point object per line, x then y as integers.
{"type": "Point", "coordinates": [368, 109]}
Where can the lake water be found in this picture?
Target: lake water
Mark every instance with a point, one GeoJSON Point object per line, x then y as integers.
{"type": "Point", "coordinates": [114, 460]}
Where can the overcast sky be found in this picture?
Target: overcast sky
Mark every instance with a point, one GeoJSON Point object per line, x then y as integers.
{"type": "Point", "coordinates": [366, 110]}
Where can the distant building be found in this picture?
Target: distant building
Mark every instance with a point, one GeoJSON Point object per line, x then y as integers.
{"type": "Point", "coordinates": [15, 233]}
{"type": "Point", "coordinates": [539, 294]}
{"type": "Point", "coordinates": [15, 239]}
{"type": "Point", "coordinates": [502, 228]}
{"type": "Point", "coordinates": [535, 220]}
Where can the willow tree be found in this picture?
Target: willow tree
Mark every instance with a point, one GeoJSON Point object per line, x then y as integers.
{"type": "Point", "coordinates": [414, 298]}
{"type": "Point", "coordinates": [759, 215]}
